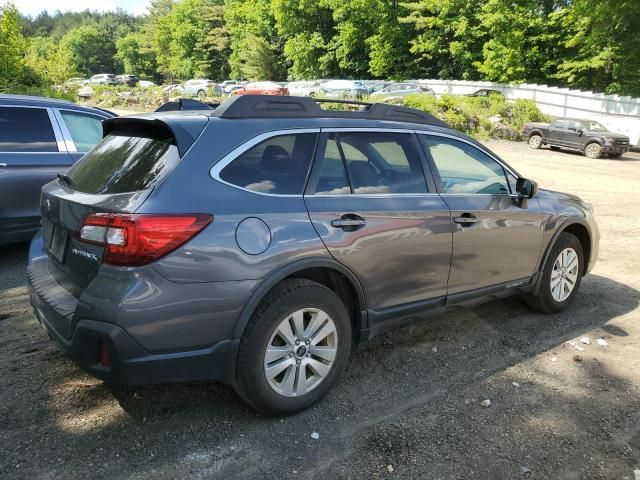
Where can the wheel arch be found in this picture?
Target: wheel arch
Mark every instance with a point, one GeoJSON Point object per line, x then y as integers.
{"type": "Point", "coordinates": [580, 229]}
{"type": "Point", "coordinates": [325, 271]}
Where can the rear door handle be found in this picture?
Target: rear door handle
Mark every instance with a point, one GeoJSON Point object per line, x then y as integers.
{"type": "Point", "coordinates": [465, 220]}
{"type": "Point", "coordinates": [349, 222]}
{"type": "Point", "coordinates": [2, 165]}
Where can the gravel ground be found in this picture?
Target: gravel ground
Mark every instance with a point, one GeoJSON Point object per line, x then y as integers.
{"type": "Point", "coordinates": [409, 404]}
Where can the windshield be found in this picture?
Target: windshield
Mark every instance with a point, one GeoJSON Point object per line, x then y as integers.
{"type": "Point", "coordinates": [594, 126]}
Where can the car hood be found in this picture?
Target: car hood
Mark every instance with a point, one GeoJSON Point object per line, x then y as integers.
{"type": "Point", "coordinates": [544, 193]}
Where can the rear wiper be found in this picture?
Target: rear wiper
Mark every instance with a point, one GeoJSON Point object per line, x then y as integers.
{"type": "Point", "coordinates": [64, 178]}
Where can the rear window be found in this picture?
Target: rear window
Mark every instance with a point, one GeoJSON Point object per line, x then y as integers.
{"type": "Point", "coordinates": [129, 159]}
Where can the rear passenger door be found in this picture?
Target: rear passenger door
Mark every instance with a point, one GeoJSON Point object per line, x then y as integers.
{"type": "Point", "coordinates": [377, 214]}
{"type": "Point", "coordinates": [32, 152]}
{"type": "Point", "coordinates": [556, 133]}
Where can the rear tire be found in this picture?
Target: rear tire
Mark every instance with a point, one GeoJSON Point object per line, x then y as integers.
{"type": "Point", "coordinates": [560, 276]}
{"type": "Point", "coordinates": [593, 150]}
{"type": "Point", "coordinates": [535, 141]}
{"type": "Point", "coordinates": [284, 336]}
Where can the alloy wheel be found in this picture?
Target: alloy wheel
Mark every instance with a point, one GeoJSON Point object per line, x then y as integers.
{"type": "Point", "coordinates": [564, 274]}
{"type": "Point", "coordinates": [301, 352]}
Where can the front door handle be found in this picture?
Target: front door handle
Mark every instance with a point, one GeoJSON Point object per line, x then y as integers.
{"type": "Point", "coordinates": [2, 165]}
{"type": "Point", "coordinates": [465, 220]}
{"type": "Point", "coordinates": [349, 222]}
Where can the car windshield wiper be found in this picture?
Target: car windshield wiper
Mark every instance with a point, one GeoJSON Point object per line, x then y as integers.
{"type": "Point", "coordinates": [64, 178]}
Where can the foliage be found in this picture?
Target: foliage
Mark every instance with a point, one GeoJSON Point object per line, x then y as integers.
{"type": "Point", "coordinates": [480, 117]}
{"type": "Point", "coordinates": [591, 44]}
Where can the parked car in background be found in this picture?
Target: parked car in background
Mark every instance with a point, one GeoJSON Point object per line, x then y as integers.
{"type": "Point", "coordinates": [126, 79]}
{"type": "Point", "coordinates": [76, 81]}
{"type": "Point", "coordinates": [373, 86]}
{"type": "Point", "coordinates": [146, 84]}
{"type": "Point", "coordinates": [229, 85]}
{"type": "Point", "coordinates": [348, 89]}
{"type": "Point", "coordinates": [39, 138]}
{"type": "Point", "coordinates": [261, 88]}
{"type": "Point", "coordinates": [311, 232]}
{"type": "Point", "coordinates": [84, 92]}
{"type": "Point", "coordinates": [198, 87]}
{"type": "Point", "coordinates": [398, 90]}
{"type": "Point", "coordinates": [587, 136]}
{"type": "Point", "coordinates": [103, 79]}
{"type": "Point", "coordinates": [487, 92]}
{"type": "Point", "coordinates": [304, 88]}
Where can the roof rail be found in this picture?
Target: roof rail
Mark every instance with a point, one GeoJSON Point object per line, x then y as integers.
{"type": "Point", "coordinates": [269, 106]}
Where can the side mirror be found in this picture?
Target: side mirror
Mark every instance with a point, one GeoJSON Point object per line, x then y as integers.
{"type": "Point", "coordinates": [580, 131]}
{"type": "Point", "coordinates": [526, 188]}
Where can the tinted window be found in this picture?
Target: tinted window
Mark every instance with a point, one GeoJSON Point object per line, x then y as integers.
{"type": "Point", "coordinates": [126, 160]}
{"type": "Point", "coordinates": [463, 168]}
{"type": "Point", "coordinates": [26, 130]}
{"type": "Point", "coordinates": [279, 165]}
{"type": "Point", "coordinates": [329, 176]}
{"type": "Point", "coordinates": [559, 124]}
{"type": "Point", "coordinates": [381, 162]}
{"type": "Point", "coordinates": [85, 130]}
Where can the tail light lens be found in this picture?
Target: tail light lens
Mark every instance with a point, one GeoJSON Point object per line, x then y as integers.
{"type": "Point", "coordinates": [138, 239]}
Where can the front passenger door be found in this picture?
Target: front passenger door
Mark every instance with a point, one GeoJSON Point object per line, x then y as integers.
{"type": "Point", "coordinates": [496, 237]}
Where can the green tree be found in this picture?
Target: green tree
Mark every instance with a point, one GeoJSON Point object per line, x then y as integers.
{"type": "Point", "coordinates": [90, 50]}
{"type": "Point", "coordinates": [133, 57]}
{"type": "Point", "coordinates": [603, 45]}
{"type": "Point", "coordinates": [251, 25]}
{"type": "Point", "coordinates": [12, 47]}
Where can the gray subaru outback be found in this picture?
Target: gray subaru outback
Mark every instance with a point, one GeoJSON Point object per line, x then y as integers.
{"type": "Point", "coordinates": [257, 244]}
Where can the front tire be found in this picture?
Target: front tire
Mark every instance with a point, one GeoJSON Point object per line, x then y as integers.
{"type": "Point", "coordinates": [535, 141]}
{"type": "Point", "coordinates": [615, 155]}
{"type": "Point", "coordinates": [560, 276]}
{"type": "Point", "coordinates": [593, 150]}
{"type": "Point", "coordinates": [294, 348]}
{"type": "Point", "coordinates": [201, 94]}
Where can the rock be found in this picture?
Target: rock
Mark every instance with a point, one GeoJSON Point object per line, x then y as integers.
{"type": "Point", "coordinates": [434, 349]}
{"type": "Point", "coordinates": [554, 359]}
{"type": "Point", "coordinates": [486, 403]}
{"type": "Point", "coordinates": [586, 340]}
{"type": "Point", "coordinates": [577, 358]}
{"type": "Point", "coordinates": [524, 469]}
{"type": "Point", "coordinates": [315, 435]}
{"type": "Point", "coordinates": [579, 348]}
{"type": "Point", "coordinates": [636, 475]}
{"type": "Point", "coordinates": [390, 468]}
{"type": "Point", "coordinates": [602, 342]}
{"type": "Point", "coordinates": [515, 384]}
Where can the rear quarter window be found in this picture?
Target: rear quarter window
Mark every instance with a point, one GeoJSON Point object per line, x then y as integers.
{"type": "Point", "coordinates": [26, 130]}
{"type": "Point", "coordinates": [278, 165]}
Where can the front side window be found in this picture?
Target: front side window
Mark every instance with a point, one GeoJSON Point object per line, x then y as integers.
{"type": "Point", "coordinates": [463, 169]}
{"type": "Point", "coordinates": [369, 163]}
{"type": "Point", "coordinates": [278, 165]}
{"type": "Point", "coordinates": [85, 130]}
{"type": "Point", "coordinates": [26, 130]}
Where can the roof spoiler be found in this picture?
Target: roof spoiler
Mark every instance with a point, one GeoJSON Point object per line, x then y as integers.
{"type": "Point", "coordinates": [184, 133]}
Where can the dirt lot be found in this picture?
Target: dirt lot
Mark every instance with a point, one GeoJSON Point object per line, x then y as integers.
{"type": "Point", "coordinates": [408, 405]}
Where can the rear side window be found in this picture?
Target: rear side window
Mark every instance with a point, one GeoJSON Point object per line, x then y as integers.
{"type": "Point", "coordinates": [26, 130]}
{"type": "Point", "coordinates": [279, 165]}
{"type": "Point", "coordinates": [375, 163]}
{"type": "Point", "coordinates": [129, 159]}
{"type": "Point", "coordinates": [85, 130]}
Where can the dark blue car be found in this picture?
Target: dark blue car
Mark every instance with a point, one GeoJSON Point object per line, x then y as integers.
{"type": "Point", "coordinates": [39, 137]}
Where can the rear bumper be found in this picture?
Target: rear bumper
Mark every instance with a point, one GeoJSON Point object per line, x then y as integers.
{"type": "Point", "coordinates": [83, 334]}
{"type": "Point", "coordinates": [130, 364]}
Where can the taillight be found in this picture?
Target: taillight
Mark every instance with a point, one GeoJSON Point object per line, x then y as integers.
{"type": "Point", "coordinates": [139, 239]}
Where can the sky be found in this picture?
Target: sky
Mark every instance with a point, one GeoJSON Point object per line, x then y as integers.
{"type": "Point", "coordinates": [34, 7]}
